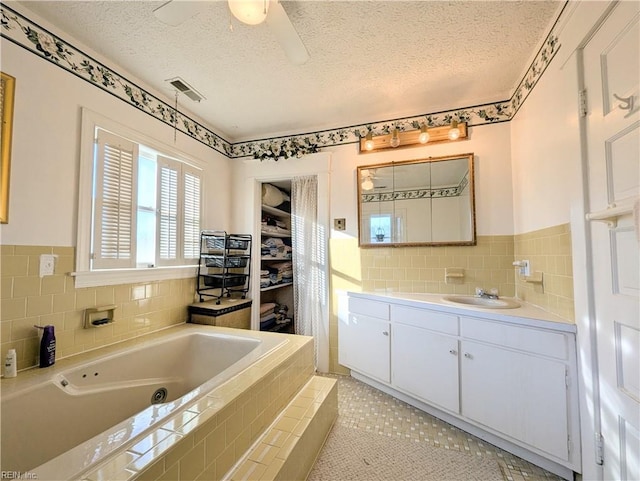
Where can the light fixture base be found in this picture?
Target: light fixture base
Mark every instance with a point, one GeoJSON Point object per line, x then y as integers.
{"type": "Point", "coordinates": [411, 138]}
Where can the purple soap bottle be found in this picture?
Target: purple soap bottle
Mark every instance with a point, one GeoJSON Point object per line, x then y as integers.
{"type": "Point", "coordinates": [47, 346]}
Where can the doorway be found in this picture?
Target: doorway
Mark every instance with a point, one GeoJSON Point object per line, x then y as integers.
{"type": "Point", "coordinates": [276, 294]}
{"type": "Point", "coordinates": [247, 210]}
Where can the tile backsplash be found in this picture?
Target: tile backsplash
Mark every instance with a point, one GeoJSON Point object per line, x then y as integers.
{"type": "Point", "coordinates": [28, 299]}
{"type": "Point", "coordinates": [548, 251]}
{"type": "Point", "coordinates": [422, 269]}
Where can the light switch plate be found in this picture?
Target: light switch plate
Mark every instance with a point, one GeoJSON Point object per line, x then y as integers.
{"type": "Point", "coordinates": [340, 224]}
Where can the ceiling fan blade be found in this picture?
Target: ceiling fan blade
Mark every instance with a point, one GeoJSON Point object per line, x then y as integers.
{"type": "Point", "coordinates": [279, 23]}
{"type": "Point", "coordinates": [175, 12]}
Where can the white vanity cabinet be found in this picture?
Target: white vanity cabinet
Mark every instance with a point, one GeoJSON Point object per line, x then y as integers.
{"type": "Point", "coordinates": [514, 380]}
{"type": "Point", "coordinates": [424, 355]}
{"type": "Point", "coordinates": [364, 336]}
{"type": "Point", "coordinates": [511, 381]}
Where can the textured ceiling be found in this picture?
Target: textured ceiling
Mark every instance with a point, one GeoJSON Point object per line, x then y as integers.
{"type": "Point", "coordinates": [370, 61]}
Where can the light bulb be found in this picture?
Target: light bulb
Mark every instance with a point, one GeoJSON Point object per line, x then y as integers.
{"type": "Point", "coordinates": [424, 135]}
{"type": "Point", "coordinates": [395, 138]}
{"type": "Point", "coordinates": [367, 184]}
{"type": "Point", "coordinates": [251, 12]}
{"type": "Point", "coordinates": [454, 131]}
{"type": "Point", "coordinates": [368, 142]}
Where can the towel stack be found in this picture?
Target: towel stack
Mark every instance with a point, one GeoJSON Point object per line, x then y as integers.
{"type": "Point", "coordinates": [272, 314]}
{"type": "Point", "coordinates": [281, 272]}
{"type": "Point", "coordinates": [267, 315]}
{"type": "Point", "coordinates": [273, 224]}
{"type": "Point", "coordinates": [272, 246]}
{"type": "Point", "coordinates": [265, 279]}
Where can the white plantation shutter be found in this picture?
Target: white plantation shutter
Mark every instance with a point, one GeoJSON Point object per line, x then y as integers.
{"type": "Point", "coordinates": [164, 230]}
{"type": "Point", "coordinates": [191, 214]}
{"type": "Point", "coordinates": [168, 208]}
{"type": "Point", "coordinates": [179, 201]}
{"type": "Point", "coordinates": [114, 226]}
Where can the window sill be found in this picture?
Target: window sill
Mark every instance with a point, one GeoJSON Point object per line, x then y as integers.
{"type": "Point", "coordinates": [113, 277]}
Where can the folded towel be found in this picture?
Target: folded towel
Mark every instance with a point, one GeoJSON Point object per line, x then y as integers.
{"type": "Point", "coordinates": [268, 317]}
{"type": "Point", "coordinates": [266, 307]}
{"type": "Point", "coordinates": [280, 266]}
{"type": "Point", "coordinates": [273, 242]}
{"type": "Point", "coordinates": [264, 326]}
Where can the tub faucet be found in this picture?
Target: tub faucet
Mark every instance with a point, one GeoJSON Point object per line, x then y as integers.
{"type": "Point", "coordinates": [492, 294]}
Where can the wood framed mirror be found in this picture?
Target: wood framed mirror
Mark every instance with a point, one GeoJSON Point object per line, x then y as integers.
{"type": "Point", "coordinates": [422, 202]}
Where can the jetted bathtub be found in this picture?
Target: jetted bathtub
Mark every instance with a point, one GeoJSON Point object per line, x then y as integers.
{"type": "Point", "coordinates": [60, 426]}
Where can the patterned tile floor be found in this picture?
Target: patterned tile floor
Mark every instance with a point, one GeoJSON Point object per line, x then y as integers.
{"type": "Point", "coordinates": [363, 407]}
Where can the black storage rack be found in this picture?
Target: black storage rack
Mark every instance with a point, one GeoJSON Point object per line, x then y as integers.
{"type": "Point", "coordinates": [225, 265]}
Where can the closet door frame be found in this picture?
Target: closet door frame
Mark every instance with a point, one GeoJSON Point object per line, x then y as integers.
{"type": "Point", "coordinates": [248, 211]}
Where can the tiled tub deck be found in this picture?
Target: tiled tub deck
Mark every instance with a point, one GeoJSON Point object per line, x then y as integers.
{"type": "Point", "coordinates": [214, 436]}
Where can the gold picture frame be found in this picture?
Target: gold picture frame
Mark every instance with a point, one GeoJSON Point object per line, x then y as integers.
{"type": "Point", "coordinates": [7, 90]}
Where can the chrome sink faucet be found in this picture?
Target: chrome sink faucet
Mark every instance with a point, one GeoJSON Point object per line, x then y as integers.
{"type": "Point", "coordinates": [492, 294]}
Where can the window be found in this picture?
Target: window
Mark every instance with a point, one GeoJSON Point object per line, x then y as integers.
{"type": "Point", "coordinates": [380, 228]}
{"type": "Point", "coordinates": [140, 207]}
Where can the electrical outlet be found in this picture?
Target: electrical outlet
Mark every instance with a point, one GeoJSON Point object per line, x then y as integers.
{"type": "Point", "coordinates": [340, 224]}
{"type": "Point", "coordinates": [47, 264]}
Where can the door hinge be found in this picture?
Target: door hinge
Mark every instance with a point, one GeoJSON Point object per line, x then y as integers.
{"type": "Point", "coordinates": [569, 446]}
{"type": "Point", "coordinates": [567, 379]}
{"type": "Point", "coordinates": [599, 449]}
{"type": "Point", "coordinates": [582, 95]}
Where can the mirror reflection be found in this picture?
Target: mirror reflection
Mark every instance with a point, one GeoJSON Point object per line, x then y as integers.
{"type": "Point", "coordinates": [417, 202]}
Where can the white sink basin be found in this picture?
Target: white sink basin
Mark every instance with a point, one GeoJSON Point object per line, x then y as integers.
{"type": "Point", "coordinates": [482, 302]}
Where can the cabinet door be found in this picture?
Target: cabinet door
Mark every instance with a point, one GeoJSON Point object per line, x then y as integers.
{"type": "Point", "coordinates": [518, 394]}
{"type": "Point", "coordinates": [425, 364]}
{"type": "Point", "coordinates": [364, 346]}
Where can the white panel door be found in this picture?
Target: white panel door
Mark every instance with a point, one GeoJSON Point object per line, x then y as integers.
{"type": "Point", "coordinates": [612, 81]}
{"type": "Point", "coordinates": [425, 364]}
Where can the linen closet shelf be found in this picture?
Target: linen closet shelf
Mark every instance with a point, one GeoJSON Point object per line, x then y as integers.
{"type": "Point", "coordinates": [276, 263]}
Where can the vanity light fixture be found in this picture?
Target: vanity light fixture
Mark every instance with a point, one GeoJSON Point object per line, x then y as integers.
{"type": "Point", "coordinates": [395, 138]}
{"type": "Point", "coordinates": [454, 131]}
{"type": "Point", "coordinates": [368, 141]}
{"type": "Point", "coordinates": [424, 135]}
{"type": "Point", "coordinates": [251, 12]}
{"type": "Point", "coordinates": [413, 138]}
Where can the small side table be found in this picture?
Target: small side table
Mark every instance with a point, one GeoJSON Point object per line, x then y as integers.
{"type": "Point", "coordinates": [229, 313]}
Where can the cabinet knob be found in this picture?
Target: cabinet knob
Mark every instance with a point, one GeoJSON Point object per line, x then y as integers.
{"type": "Point", "coordinates": [386, 333]}
{"type": "Point", "coordinates": [453, 351]}
{"type": "Point", "coordinates": [468, 356]}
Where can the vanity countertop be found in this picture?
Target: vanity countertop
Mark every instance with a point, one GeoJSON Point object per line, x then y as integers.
{"type": "Point", "coordinates": [526, 314]}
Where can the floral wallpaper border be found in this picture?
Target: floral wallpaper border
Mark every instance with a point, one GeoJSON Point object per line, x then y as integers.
{"type": "Point", "coordinates": [410, 194]}
{"type": "Point", "coordinates": [454, 191]}
{"type": "Point", "coordinates": [25, 33]}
